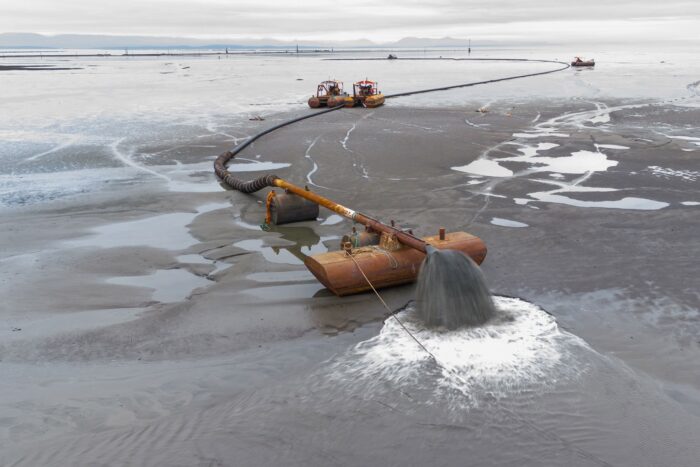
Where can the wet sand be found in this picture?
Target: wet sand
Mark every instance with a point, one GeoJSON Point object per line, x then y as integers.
{"type": "Point", "coordinates": [240, 357]}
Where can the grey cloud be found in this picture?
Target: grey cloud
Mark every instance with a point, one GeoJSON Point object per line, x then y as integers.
{"type": "Point", "coordinates": [314, 18]}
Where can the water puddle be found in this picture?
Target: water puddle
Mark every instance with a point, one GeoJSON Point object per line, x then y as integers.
{"type": "Point", "coordinates": [255, 166]}
{"type": "Point", "coordinates": [579, 162]}
{"type": "Point", "coordinates": [300, 275]}
{"type": "Point", "coordinates": [611, 146]}
{"type": "Point", "coordinates": [40, 187]}
{"type": "Point", "coordinates": [333, 219]}
{"type": "Point", "coordinates": [486, 168]}
{"type": "Point", "coordinates": [273, 254]}
{"type": "Point", "coordinates": [199, 259]}
{"type": "Point", "coordinates": [169, 285]}
{"type": "Point", "coordinates": [285, 293]}
{"type": "Point", "coordinates": [296, 243]}
{"type": "Point", "coordinates": [557, 196]}
{"type": "Point", "coordinates": [507, 223]}
{"type": "Point", "coordinates": [583, 162]}
{"type": "Point", "coordinates": [292, 254]}
{"type": "Point", "coordinates": [166, 231]}
{"type": "Point", "coordinates": [544, 133]}
{"type": "Point", "coordinates": [241, 223]}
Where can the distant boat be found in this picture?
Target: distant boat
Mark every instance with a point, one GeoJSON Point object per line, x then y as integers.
{"type": "Point", "coordinates": [364, 93]}
{"type": "Point", "coordinates": [392, 57]}
{"type": "Point", "coordinates": [578, 61]}
{"type": "Point", "coordinates": [325, 91]}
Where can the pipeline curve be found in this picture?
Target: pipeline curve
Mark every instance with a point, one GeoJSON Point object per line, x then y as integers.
{"type": "Point", "coordinates": [261, 182]}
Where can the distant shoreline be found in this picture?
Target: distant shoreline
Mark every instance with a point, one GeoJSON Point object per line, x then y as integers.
{"type": "Point", "coordinates": [36, 68]}
{"type": "Point", "coordinates": [5, 55]}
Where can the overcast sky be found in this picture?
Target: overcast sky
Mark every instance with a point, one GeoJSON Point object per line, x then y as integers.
{"type": "Point", "coordinates": [379, 20]}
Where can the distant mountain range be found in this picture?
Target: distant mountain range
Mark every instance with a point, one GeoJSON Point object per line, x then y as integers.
{"type": "Point", "coordinates": [88, 41]}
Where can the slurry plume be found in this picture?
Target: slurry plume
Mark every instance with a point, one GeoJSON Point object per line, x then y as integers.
{"type": "Point", "coordinates": [451, 291]}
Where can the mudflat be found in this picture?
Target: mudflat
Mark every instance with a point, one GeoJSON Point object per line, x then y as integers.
{"type": "Point", "coordinates": [154, 323]}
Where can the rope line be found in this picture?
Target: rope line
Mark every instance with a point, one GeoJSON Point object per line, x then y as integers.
{"type": "Point", "coordinates": [255, 185]}
{"type": "Point", "coordinates": [541, 431]}
{"type": "Point", "coordinates": [392, 312]}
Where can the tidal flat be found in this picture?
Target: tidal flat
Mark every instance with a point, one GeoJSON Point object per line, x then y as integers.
{"type": "Point", "coordinates": [147, 319]}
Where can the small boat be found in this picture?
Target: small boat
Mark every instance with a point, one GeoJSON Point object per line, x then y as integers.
{"type": "Point", "coordinates": [578, 61]}
{"type": "Point", "coordinates": [365, 93]}
{"type": "Point", "coordinates": [325, 91]}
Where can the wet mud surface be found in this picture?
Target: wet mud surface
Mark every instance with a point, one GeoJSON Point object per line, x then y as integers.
{"type": "Point", "coordinates": [157, 324]}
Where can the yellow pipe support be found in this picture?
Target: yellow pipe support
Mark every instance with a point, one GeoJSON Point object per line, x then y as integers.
{"type": "Point", "coordinates": [403, 237]}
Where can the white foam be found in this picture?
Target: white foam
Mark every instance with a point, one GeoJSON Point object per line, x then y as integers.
{"type": "Point", "coordinates": [495, 359]}
{"type": "Point", "coordinates": [665, 172]}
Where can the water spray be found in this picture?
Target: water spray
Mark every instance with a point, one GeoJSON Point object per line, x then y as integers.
{"type": "Point", "coordinates": [383, 255]}
{"type": "Point", "coordinates": [451, 290]}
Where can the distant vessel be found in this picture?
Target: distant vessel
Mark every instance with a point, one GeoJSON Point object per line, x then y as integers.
{"type": "Point", "coordinates": [365, 93]}
{"type": "Point", "coordinates": [578, 61]}
{"type": "Point", "coordinates": [325, 91]}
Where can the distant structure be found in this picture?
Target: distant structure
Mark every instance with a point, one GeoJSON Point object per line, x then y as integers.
{"type": "Point", "coordinates": [469, 50]}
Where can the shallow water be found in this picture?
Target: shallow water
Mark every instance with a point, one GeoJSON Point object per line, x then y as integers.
{"type": "Point", "coordinates": [171, 285]}
{"type": "Point", "coordinates": [518, 390]}
{"type": "Point", "coordinates": [81, 130]}
{"type": "Point", "coordinates": [366, 396]}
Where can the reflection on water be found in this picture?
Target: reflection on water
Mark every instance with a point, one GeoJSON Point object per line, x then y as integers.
{"type": "Point", "coordinates": [300, 242]}
{"type": "Point", "coordinates": [584, 163]}
{"type": "Point", "coordinates": [167, 231]}
{"type": "Point", "coordinates": [507, 223]}
{"type": "Point", "coordinates": [170, 285]}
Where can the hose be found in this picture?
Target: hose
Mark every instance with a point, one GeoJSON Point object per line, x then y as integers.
{"type": "Point", "coordinates": [261, 182]}
{"type": "Point", "coordinates": [476, 83]}
{"type": "Point", "coordinates": [266, 180]}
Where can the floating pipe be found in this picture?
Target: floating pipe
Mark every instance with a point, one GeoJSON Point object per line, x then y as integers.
{"type": "Point", "coordinates": [372, 224]}
{"type": "Point", "coordinates": [348, 271]}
